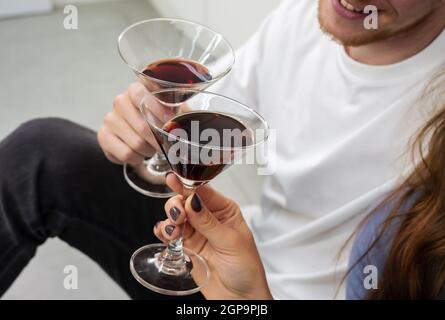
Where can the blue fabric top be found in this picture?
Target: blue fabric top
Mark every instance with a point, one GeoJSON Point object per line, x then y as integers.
{"type": "Point", "coordinates": [355, 288]}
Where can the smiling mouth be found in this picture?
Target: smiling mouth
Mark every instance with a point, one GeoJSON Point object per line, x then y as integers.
{"type": "Point", "coordinates": [350, 7]}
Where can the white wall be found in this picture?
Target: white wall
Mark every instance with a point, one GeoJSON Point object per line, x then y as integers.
{"type": "Point", "coordinates": [62, 3]}
{"type": "Point", "coordinates": [10, 8]}
{"type": "Point", "coordinates": [235, 19]}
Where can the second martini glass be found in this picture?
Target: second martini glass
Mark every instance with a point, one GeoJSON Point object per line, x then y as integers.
{"type": "Point", "coordinates": [170, 53]}
{"type": "Point", "coordinates": [208, 134]}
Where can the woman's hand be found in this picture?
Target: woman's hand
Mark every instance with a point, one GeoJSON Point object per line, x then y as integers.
{"type": "Point", "coordinates": [216, 230]}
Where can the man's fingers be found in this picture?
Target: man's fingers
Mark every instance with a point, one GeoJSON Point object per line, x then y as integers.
{"type": "Point", "coordinates": [132, 115]}
{"type": "Point", "coordinates": [125, 132]}
{"type": "Point", "coordinates": [136, 92]}
{"type": "Point", "coordinates": [114, 146]}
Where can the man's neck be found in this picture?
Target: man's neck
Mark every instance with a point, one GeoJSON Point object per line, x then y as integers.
{"type": "Point", "coordinates": [400, 47]}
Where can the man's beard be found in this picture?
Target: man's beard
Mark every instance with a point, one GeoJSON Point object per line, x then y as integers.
{"type": "Point", "coordinates": [371, 36]}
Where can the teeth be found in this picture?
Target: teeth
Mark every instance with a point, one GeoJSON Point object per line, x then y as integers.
{"type": "Point", "coordinates": [349, 6]}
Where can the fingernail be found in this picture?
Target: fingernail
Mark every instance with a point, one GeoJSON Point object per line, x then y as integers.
{"type": "Point", "coordinates": [166, 175]}
{"type": "Point", "coordinates": [157, 224]}
{"type": "Point", "coordinates": [196, 203]}
{"type": "Point", "coordinates": [174, 213]}
{"type": "Point", "coordinates": [169, 229]}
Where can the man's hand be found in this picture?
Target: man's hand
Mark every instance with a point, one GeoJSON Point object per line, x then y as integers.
{"type": "Point", "coordinates": [125, 137]}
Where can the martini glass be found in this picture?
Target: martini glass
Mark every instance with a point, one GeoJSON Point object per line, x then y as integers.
{"type": "Point", "coordinates": [207, 135]}
{"type": "Point", "coordinates": [170, 53]}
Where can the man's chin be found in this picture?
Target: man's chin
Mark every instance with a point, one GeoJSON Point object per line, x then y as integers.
{"type": "Point", "coordinates": [347, 35]}
{"type": "Point", "coordinates": [352, 40]}
{"type": "Point", "coordinates": [345, 38]}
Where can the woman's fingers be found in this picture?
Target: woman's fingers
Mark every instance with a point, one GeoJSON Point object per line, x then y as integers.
{"type": "Point", "coordinates": [158, 233]}
{"type": "Point", "coordinates": [173, 182]}
{"type": "Point", "coordinates": [205, 222]}
{"type": "Point", "coordinates": [170, 231]}
{"type": "Point", "coordinates": [215, 200]}
{"type": "Point", "coordinates": [174, 208]}
{"type": "Point", "coordinates": [166, 231]}
{"type": "Point", "coordinates": [192, 240]}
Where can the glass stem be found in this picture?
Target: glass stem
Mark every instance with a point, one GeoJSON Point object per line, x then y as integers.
{"type": "Point", "coordinates": [159, 157]}
{"type": "Point", "coordinates": [156, 168]}
{"type": "Point", "coordinates": [175, 246]}
{"type": "Point", "coordinates": [173, 259]}
{"type": "Point", "coordinates": [157, 164]}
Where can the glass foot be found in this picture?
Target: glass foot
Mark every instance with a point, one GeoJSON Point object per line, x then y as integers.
{"type": "Point", "coordinates": [154, 268]}
{"type": "Point", "coordinates": [146, 181]}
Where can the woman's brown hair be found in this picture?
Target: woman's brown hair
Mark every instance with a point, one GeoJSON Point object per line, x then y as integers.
{"type": "Point", "coordinates": [415, 265]}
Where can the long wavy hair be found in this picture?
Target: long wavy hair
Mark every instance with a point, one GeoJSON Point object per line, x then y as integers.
{"type": "Point", "coordinates": [415, 265]}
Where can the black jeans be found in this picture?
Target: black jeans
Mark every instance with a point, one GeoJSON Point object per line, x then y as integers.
{"type": "Point", "coordinates": [55, 181]}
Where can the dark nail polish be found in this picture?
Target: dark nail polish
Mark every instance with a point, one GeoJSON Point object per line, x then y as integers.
{"type": "Point", "coordinates": [174, 213]}
{"type": "Point", "coordinates": [196, 203]}
{"type": "Point", "coordinates": [169, 229]}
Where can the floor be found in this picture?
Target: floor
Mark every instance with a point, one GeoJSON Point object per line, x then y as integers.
{"type": "Point", "coordinates": [49, 71]}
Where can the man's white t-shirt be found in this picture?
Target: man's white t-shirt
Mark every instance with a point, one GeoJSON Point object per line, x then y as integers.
{"type": "Point", "coordinates": [342, 129]}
